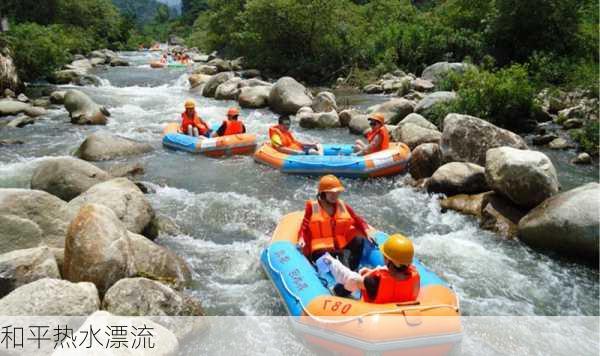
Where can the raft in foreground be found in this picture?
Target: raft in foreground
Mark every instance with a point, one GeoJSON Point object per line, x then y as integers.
{"type": "Point", "coordinates": [337, 159]}
{"type": "Point", "coordinates": [429, 325]}
{"type": "Point", "coordinates": [212, 147]}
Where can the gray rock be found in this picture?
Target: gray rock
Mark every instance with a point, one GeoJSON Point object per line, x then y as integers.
{"type": "Point", "coordinates": [250, 73]}
{"type": "Point", "coordinates": [11, 142]}
{"type": "Point", "coordinates": [67, 76]}
{"type": "Point", "coordinates": [577, 111]}
{"type": "Point", "coordinates": [414, 135]}
{"type": "Point", "coordinates": [425, 160]}
{"type": "Point", "coordinates": [142, 296]}
{"type": "Point", "coordinates": [206, 69]}
{"type": "Point", "coordinates": [119, 62]}
{"type": "Point", "coordinates": [373, 89]}
{"type": "Point", "coordinates": [582, 158]}
{"type": "Point", "coordinates": [21, 121]}
{"type": "Point", "coordinates": [418, 120]}
{"type": "Point", "coordinates": [464, 203]}
{"type": "Point", "coordinates": [9, 94]}
{"type": "Point", "coordinates": [287, 96]}
{"type": "Point", "coordinates": [393, 110]}
{"type": "Point", "coordinates": [566, 223]}
{"type": "Point", "coordinates": [97, 61]}
{"type": "Point", "coordinates": [29, 218]}
{"type": "Point", "coordinates": [123, 197]}
{"type": "Point", "coordinates": [324, 102]}
{"type": "Point", "coordinates": [54, 297]}
{"type": "Point", "coordinates": [254, 82]}
{"type": "Point", "coordinates": [467, 139]}
{"type": "Point", "coordinates": [399, 85]}
{"type": "Point", "coordinates": [573, 124]}
{"type": "Point", "coordinates": [161, 224]}
{"type": "Point", "coordinates": [66, 177]}
{"type": "Point", "coordinates": [500, 215]}
{"type": "Point", "coordinates": [8, 71]}
{"type": "Point", "coordinates": [10, 107]}
{"type": "Point", "coordinates": [83, 110]}
{"type": "Point", "coordinates": [80, 64]}
{"type": "Point", "coordinates": [58, 97]}
{"type": "Point", "coordinates": [430, 101]}
{"type": "Point", "coordinates": [221, 65]}
{"type": "Point", "coordinates": [237, 64]}
{"type": "Point", "coordinates": [541, 140]}
{"type": "Point", "coordinates": [228, 90]}
{"type": "Point", "coordinates": [22, 98]}
{"type": "Point", "coordinates": [327, 119]}
{"type": "Point", "coordinates": [105, 146]}
{"type": "Point", "coordinates": [347, 115]}
{"type": "Point", "coordinates": [525, 177]}
{"type": "Point", "coordinates": [196, 80]}
{"type": "Point", "coordinates": [20, 267]}
{"type": "Point", "coordinates": [560, 144]}
{"type": "Point", "coordinates": [422, 85]}
{"type": "Point", "coordinates": [458, 177]}
{"type": "Point", "coordinates": [43, 102]}
{"type": "Point", "coordinates": [126, 169]}
{"type": "Point", "coordinates": [211, 86]}
{"type": "Point", "coordinates": [254, 97]}
{"type": "Point", "coordinates": [437, 71]}
{"type": "Point", "coordinates": [359, 124]}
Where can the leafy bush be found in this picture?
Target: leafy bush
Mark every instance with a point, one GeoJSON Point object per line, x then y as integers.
{"type": "Point", "coordinates": [588, 137]}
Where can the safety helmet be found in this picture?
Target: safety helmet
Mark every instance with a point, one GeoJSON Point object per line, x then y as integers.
{"type": "Point", "coordinates": [233, 112]}
{"type": "Point", "coordinates": [330, 183]}
{"type": "Point", "coordinates": [399, 250]}
{"type": "Point", "coordinates": [190, 104]}
{"type": "Point", "coordinates": [377, 117]}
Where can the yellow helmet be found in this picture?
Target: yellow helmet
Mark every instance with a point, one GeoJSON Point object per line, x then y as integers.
{"type": "Point", "coordinates": [190, 104]}
{"type": "Point", "coordinates": [399, 250]}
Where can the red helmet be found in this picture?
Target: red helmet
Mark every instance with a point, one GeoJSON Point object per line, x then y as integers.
{"type": "Point", "coordinates": [233, 112]}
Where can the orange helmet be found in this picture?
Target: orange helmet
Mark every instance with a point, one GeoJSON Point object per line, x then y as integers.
{"type": "Point", "coordinates": [233, 112]}
{"type": "Point", "coordinates": [330, 183]}
{"type": "Point", "coordinates": [377, 117]}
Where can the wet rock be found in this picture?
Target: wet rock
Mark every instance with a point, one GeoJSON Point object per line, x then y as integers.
{"type": "Point", "coordinates": [66, 177]}
{"type": "Point", "coordinates": [456, 178]}
{"type": "Point", "coordinates": [324, 102]}
{"type": "Point", "coordinates": [359, 124]}
{"type": "Point", "coordinates": [467, 139]}
{"type": "Point", "coordinates": [123, 197]}
{"type": "Point", "coordinates": [10, 107]}
{"type": "Point", "coordinates": [97, 61]}
{"type": "Point", "coordinates": [436, 98]}
{"type": "Point", "coordinates": [9, 94]}
{"type": "Point", "coordinates": [67, 76]}
{"type": "Point", "coordinates": [418, 120]}
{"type": "Point", "coordinates": [393, 110]}
{"type": "Point", "coordinates": [196, 80]}
{"type": "Point", "coordinates": [83, 110]}
{"type": "Point", "coordinates": [119, 62]}
{"type": "Point", "coordinates": [82, 64]}
{"type": "Point", "coordinates": [59, 257]}
{"type": "Point", "coordinates": [126, 169]}
{"type": "Point", "coordinates": [29, 218]}
{"type": "Point", "coordinates": [102, 146]}
{"type": "Point", "coordinates": [221, 65]}
{"type": "Point", "coordinates": [20, 267]}
{"type": "Point", "coordinates": [582, 158]}
{"type": "Point", "coordinates": [22, 98]}
{"type": "Point", "coordinates": [414, 135]}
{"type": "Point", "coordinates": [327, 119]}
{"type": "Point", "coordinates": [58, 97]}
{"type": "Point", "coordinates": [573, 124]}
{"type": "Point", "coordinates": [11, 142]}
{"type": "Point", "coordinates": [50, 296]}
{"type": "Point", "coordinates": [287, 96]}
{"type": "Point", "coordinates": [525, 177]}
{"type": "Point", "coordinates": [211, 86]}
{"type": "Point", "coordinates": [438, 71]}
{"type": "Point", "coordinates": [142, 296]}
{"type": "Point", "coordinates": [399, 85]}
{"type": "Point", "coordinates": [254, 97]}
{"type": "Point", "coordinates": [228, 90]}
{"type": "Point", "coordinates": [541, 140]}
{"type": "Point", "coordinates": [237, 64]}
{"type": "Point", "coordinates": [206, 69]}
{"type": "Point", "coordinates": [161, 224]}
{"type": "Point", "coordinates": [373, 89]}
{"type": "Point", "coordinates": [500, 215]}
{"type": "Point", "coordinates": [425, 160]}
{"type": "Point", "coordinates": [464, 203]}
{"type": "Point", "coordinates": [422, 85]}
{"type": "Point", "coordinates": [21, 121]}
{"type": "Point", "coordinates": [347, 115]}
{"type": "Point", "coordinates": [566, 223]}
{"type": "Point", "coordinates": [577, 111]}
{"type": "Point", "coordinates": [560, 144]}
{"type": "Point", "coordinates": [41, 102]}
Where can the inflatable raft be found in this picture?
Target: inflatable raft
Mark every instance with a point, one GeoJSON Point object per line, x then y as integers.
{"type": "Point", "coordinates": [337, 159]}
{"type": "Point", "coordinates": [212, 147]}
{"type": "Point", "coordinates": [431, 324]}
{"type": "Point", "coordinates": [157, 64]}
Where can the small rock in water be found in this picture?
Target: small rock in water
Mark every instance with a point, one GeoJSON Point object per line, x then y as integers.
{"type": "Point", "coordinates": [573, 124]}
{"type": "Point", "coordinates": [21, 121]}
{"type": "Point", "coordinates": [22, 98]}
{"type": "Point", "coordinates": [11, 142]}
{"type": "Point", "coordinates": [560, 144]}
{"type": "Point", "coordinates": [541, 140]}
{"type": "Point", "coordinates": [582, 158]}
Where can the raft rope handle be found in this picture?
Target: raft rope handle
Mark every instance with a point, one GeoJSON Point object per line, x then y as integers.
{"type": "Point", "coordinates": [357, 317]}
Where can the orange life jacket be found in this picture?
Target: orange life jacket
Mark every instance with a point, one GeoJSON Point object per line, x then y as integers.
{"type": "Point", "coordinates": [195, 122]}
{"type": "Point", "coordinates": [233, 127]}
{"type": "Point", "coordinates": [287, 140]}
{"type": "Point", "coordinates": [385, 139]}
{"type": "Point", "coordinates": [327, 232]}
{"type": "Point", "coordinates": [394, 290]}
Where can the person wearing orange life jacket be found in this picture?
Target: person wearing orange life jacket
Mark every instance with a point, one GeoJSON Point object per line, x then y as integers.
{"type": "Point", "coordinates": [191, 123]}
{"type": "Point", "coordinates": [378, 137]}
{"type": "Point", "coordinates": [397, 281]}
{"type": "Point", "coordinates": [283, 140]}
{"type": "Point", "coordinates": [331, 226]}
{"type": "Point", "coordinates": [231, 126]}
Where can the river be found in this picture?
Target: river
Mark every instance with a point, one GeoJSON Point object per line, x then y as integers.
{"type": "Point", "coordinates": [228, 208]}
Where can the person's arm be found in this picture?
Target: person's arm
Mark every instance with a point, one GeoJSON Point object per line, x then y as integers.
{"type": "Point", "coordinates": [276, 142]}
{"type": "Point", "coordinates": [221, 129]}
{"type": "Point", "coordinates": [304, 235]}
{"type": "Point", "coordinates": [371, 146]}
{"type": "Point", "coordinates": [243, 128]}
{"type": "Point", "coordinates": [371, 284]}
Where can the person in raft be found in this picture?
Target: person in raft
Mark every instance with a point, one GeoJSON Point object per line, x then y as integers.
{"type": "Point", "coordinates": [231, 126]}
{"type": "Point", "coordinates": [283, 141]}
{"type": "Point", "coordinates": [397, 281]}
{"type": "Point", "coordinates": [191, 123]}
{"type": "Point", "coordinates": [331, 226]}
{"type": "Point", "coordinates": [378, 137]}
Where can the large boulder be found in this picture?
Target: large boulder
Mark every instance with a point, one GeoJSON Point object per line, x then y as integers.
{"type": "Point", "coordinates": [422, 85]}
{"type": "Point", "coordinates": [566, 223]}
{"type": "Point", "coordinates": [102, 146]}
{"type": "Point", "coordinates": [58, 97]}
{"type": "Point", "coordinates": [254, 82]}
{"type": "Point", "coordinates": [393, 110]}
{"type": "Point", "coordinates": [206, 69]}
{"type": "Point", "coordinates": [456, 178]}
{"type": "Point", "coordinates": [414, 135]}
{"type": "Point", "coordinates": [325, 120]}
{"type": "Point", "coordinates": [142, 296]}
{"type": "Point", "coordinates": [81, 64]}
{"type": "Point", "coordinates": [51, 297]}
{"type": "Point", "coordinates": [500, 215]}
{"type": "Point", "coordinates": [29, 218]}
{"type": "Point", "coordinates": [67, 76]}
{"type": "Point", "coordinates": [99, 249]}
{"type": "Point", "coordinates": [196, 80]}
{"type": "Point", "coordinates": [439, 70]}
{"type": "Point", "coordinates": [20, 267]}
{"type": "Point", "coordinates": [373, 88]}
{"type": "Point", "coordinates": [400, 86]}
{"type": "Point", "coordinates": [123, 197]}
{"type": "Point", "coordinates": [228, 90]}
{"type": "Point", "coordinates": [418, 120]}
{"type": "Point", "coordinates": [359, 124]}
{"type": "Point", "coordinates": [324, 102]}
{"type": "Point", "coordinates": [221, 65]}
{"type": "Point", "coordinates": [467, 138]}
{"type": "Point", "coordinates": [347, 115]}
{"type": "Point", "coordinates": [83, 110]}
{"type": "Point", "coordinates": [464, 203]}
{"type": "Point", "coordinates": [211, 86]}
{"type": "Point", "coordinates": [254, 97]}
{"type": "Point", "coordinates": [425, 106]}
{"type": "Point", "coordinates": [525, 177]}
{"type": "Point", "coordinates": [425, 159]}
{"type": "Point", "coordinates": [13, 107]}
{"type": "Point", "coordinates": [66, 177]}
{"type": "Point", "coordinates": [119, 62]}
{"type": "Point", "coordinates": [287, 96]}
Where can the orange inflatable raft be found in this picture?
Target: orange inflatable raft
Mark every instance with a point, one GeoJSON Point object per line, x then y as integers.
{"type": "Point", "coordinates": [338, 160]}
{"type": "Point", "coordinates": [213, 147]}
{"type": "Point", "coordinates": [429, 325]}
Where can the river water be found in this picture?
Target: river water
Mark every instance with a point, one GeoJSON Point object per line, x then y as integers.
{"type": "Point", "coordinates": [228, 208]}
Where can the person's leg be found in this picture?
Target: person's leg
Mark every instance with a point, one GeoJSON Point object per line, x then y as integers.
{"type": "Point", "coordinates": [196, 132]}
{"type": "Point", "coordinates": [353, 252]}
{"type": "Point", "coordinates": [190, 130]}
